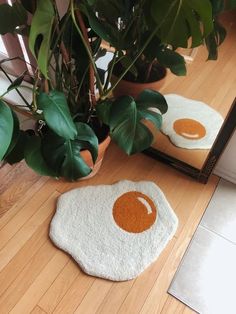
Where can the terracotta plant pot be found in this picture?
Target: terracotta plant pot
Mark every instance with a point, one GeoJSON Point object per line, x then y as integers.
{"type": "Point", "coordinates": [88, 159]}
{"type": "Point", "coordinates": [134, 89]}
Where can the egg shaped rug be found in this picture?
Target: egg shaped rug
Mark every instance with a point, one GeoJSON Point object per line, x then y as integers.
{"type": "Point", "coordinates": [114, 231]}
{"type": "Point", "coordinates": [189, 123]}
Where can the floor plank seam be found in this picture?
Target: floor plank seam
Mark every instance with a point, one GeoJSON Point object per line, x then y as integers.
{"type": "Point", "coordinates": [32, 281]}
{"type": "Point", "coordinates": [29, 261]}
{"type": "Point", "coordinates": [52, 284]}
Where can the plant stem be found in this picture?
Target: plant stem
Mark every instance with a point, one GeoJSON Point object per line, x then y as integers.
{"type": "Point", "coordinates": [16, 58]}
{"type": "Point", "coordinates": [104, 96]}
{"type": "Point", "coordinates": [18, 92]}
{"type": "Point", "coordinates": [113, 61]}
{"type": "Point", "coordinates": [91, 70]}
{"type": "Point", "coordinates": [100, 87]}
{"type": "Point", "coordinates": [149, 70]}
{"type": "Point", "coordinates": [58, 37]}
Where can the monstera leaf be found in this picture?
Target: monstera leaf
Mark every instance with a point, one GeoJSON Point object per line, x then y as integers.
{"type": "Point", "coordinates": [34, 157]}
{"type": "Point", "coordinates": [172, 60]}
{"type": "Point", "coordinates": [56, 113]}
{"type": "Point", "coordinates": [181, 19]}
{"type": "Point", "coordinates": [214, 40]}
{"type": "Point", "coordinates": [6, 128]}
{"type": "Point", "coordinates": [125, 118]}
{"type": "Point", "coordinates": [64, 156]}
{"type": "Point", "coordinates": [41, 27]}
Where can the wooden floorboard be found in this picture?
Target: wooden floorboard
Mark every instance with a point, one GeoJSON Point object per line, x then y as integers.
{"type": "Point", "coordinates": [38, 278]}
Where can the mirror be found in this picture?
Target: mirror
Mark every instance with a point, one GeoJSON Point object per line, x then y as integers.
{"type": "Point", "coordinates": [201, 109]}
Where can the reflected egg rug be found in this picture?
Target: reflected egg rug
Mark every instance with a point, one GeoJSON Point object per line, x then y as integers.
{"type": "Point", "coordinates": [190, 123]}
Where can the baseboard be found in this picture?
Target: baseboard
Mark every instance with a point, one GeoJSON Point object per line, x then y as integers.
{"type": "Point", "coordinates": [226, 174]}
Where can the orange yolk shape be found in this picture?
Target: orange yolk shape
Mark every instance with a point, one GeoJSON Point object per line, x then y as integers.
{"type": "Point", "coordinates": [189, 128]}
{"type": "Point", "coordinates": [134, 212]}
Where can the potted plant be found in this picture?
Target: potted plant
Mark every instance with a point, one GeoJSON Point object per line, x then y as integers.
{"type": "Point", "coordinates": [71, 117]}
{"type": "Point", "coordinates": [72, 121]}
{"type": "Point", "coordinates": [146, 34]}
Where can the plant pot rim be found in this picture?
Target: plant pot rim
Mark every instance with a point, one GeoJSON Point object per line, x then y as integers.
{"type": "Point", "coordinates": [138, 83]}
{"type": "Point", "coordinates": [164, 69]}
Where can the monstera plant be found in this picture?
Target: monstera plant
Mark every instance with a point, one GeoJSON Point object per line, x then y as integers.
{"type": "Point", "coordinates": [146, 34]}
{"type": "Point", "coordinates": [72, 102]}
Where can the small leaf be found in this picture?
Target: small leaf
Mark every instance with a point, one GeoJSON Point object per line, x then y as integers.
{"type": "Point", "coordinates": [103, 30]}
{"type": "Point", "coordinates": [6, 128]}
{"type": "Point", "coordinates": [42, 26]}
{"type": "Point", "coordinates": [172, 60]}
{"type": "Point", "coordinates": [56, 113]}
{"type": "Point", "coordinates": [214, 40]}
{"type": "Point", "coordinates": [34, 157]}
{"type": "Point", "coordinates": [17, 82]}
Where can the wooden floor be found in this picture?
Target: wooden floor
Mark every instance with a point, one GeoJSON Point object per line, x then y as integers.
{"type": "Point", "coordinates": [36, 277]}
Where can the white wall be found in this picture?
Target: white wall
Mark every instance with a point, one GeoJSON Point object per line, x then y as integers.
{"type": "Point", "coordinates": [226, 166]}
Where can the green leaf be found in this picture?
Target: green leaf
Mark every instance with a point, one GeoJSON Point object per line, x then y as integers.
{"type": "Point", "coordinates": [125, 118]}
{"type": "Point", "coordinates": [88, 139]}
{"type": "Point", "coordinates": [16, 154]}
{"type": "Point", "coordinates": [172, 60]}
{"type": "Point", "coordinates": [186, 18]}
{"type": "Point", "coordinates": [41, 26]}
{"type": "Point", "coordinates": [11, 17]}
{"type": "Point", "coordinates": [15, 133]}
{"type": "Point", "coordinates": [17, 82]}
{"type": "Point", "coordinates": [34, 157]}
{"type": "Point", "coordinates": [64, 155]}
{"type": "Point", "coordinates": [126, 129]}
{"type": "Point", "coordinates": [214, 39]}
{"type": "Point", "coordinates": [56, 113]}
{"type": "Point", "coordinates": [103, 30]}
{"type": "Point", "coordinates": [74, 166]}
{"type": "Point", "coordinates": [103, 110]}
{"type": "Point", "coordinates": [152, 99]}
{"type": "Point", "coordinates": [6, 128]}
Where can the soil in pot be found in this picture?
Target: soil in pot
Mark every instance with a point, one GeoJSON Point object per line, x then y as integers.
{"type": "Point", "coordinates": [134, 86]}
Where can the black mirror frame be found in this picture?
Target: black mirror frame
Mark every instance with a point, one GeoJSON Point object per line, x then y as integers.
{"type": "Point", "coordinates": [203, 174]}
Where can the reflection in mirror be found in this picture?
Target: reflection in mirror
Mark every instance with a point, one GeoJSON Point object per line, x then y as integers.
{"type": "Point", "coordinates": [199, 102]}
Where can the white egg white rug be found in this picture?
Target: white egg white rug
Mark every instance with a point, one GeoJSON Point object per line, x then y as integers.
{"type": "Point", "coordinates": [114, 231]}
{"type": "Point", "coordinates": [189, 123]}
